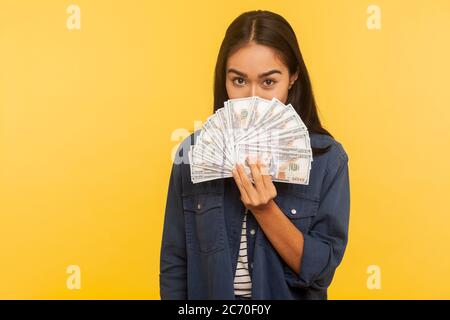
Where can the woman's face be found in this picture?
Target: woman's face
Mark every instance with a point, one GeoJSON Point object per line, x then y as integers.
{"type": "Point", "coordinates": [255, 70]}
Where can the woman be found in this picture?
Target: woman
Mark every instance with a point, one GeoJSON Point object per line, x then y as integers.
{"type": "Point", "coordinates": [232, 239]}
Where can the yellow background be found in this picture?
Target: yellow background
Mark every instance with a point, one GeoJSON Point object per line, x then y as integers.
{"type": "Point", "coordinates": [87, 118]}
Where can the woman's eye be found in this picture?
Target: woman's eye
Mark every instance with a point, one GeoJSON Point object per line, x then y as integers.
{"type": "Point", "coordinates": [269, 82]}
{"type": "Point", "coordinates": [239, 81]}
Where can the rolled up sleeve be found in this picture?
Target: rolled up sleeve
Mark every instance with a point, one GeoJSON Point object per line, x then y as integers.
{"type": "Point", "coordinates": [325, 243]}
{"type": "Point", "coordinates": [173, 270]}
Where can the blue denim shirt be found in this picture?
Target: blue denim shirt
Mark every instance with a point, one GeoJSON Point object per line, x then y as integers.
{"type": "Point", "coordinates": [202, 228]}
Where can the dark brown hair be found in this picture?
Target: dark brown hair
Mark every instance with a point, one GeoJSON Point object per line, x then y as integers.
{"type": "Point", "coordinates": [272, 30]}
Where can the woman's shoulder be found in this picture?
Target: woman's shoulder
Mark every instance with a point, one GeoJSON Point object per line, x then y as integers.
{"type": "Point", "coordinates": [188, 141]}
{"type": "Point", "coordinates": [336, 149]}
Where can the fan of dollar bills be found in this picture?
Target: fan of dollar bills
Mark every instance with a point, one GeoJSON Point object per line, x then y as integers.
{"type": "Point", "coordinates": [255, 128]}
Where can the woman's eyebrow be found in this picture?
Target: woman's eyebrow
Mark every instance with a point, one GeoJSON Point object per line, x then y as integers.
{"type": "Point", "coordinates": [268, 73]}
{"type": "Point", "coordinates": [262, 75]}
{"type": "Point", "coordinates": [231, 70]}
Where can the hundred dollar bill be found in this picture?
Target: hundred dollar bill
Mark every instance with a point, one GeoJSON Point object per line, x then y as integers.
{"type": "Point", "coordinates": [240, 113]}
{"type": "Point", "coordinates": [275, 112]}
{"type": "Point", "coordinates": [290, 167]}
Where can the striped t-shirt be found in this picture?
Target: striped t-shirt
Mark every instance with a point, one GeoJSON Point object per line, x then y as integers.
{"type": "Point", "coordinates": [242, 280]}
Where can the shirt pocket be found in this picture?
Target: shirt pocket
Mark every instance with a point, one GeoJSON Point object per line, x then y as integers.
{"type": "Point", "coordinates": [205, 224]}
{"type": "Point", "coordinates": [299, 208]}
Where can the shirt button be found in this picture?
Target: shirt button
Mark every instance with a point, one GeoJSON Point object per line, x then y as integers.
{"type": "Point", "coordinates": [252, 232]}
{"type": "Point", "coordinates": [199, 206]}
{"type": "Point", "coordinates": [251, 265]}
{"type": "Point", "coordinates": [293, 211]}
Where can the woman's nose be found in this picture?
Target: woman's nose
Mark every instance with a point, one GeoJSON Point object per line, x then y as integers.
{"type": "Point", "coordinates": [255, 90]}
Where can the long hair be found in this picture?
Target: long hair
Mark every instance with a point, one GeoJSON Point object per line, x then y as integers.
{"type": "Point", "coordinates": [272, 30]}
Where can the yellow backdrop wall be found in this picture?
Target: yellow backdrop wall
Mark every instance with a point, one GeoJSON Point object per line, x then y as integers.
{"type": "Point", "coordinates": [94, 96]}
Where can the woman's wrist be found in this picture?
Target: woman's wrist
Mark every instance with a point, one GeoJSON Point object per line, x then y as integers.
{"type": "Point", "coordinates": [264, 209]}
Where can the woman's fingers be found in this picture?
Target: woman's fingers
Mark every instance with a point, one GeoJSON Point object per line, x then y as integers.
{"type": "Point", "coordinates": [263, 168]}
{"type": "Point", "coordinates": [267, 178]}
{"type": "Point", "coordinates": [270, 187]}
{"type": "Point", "coordinates": [247, 184]}
{"type": "Point", "coordinates": [241, 188]}
{"type": "Point", "coordinates": [263, 189]}
{"type": "Point", "coordinates": [256, 173]}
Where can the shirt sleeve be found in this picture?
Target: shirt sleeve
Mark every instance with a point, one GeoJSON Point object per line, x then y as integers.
{"type": "Point", "coordinates": [173, 270]}
{"type": "Point", "coordinates": [325, 243]}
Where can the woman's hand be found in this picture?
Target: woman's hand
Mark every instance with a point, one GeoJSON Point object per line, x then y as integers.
{"type": "Point", "coordinates": [257, 197]}
{"type": "Point", "coordinates": [284, 236]}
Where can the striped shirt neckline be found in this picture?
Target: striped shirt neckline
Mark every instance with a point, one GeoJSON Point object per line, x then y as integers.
{"type": "Point", "coordinates": [242, 279]}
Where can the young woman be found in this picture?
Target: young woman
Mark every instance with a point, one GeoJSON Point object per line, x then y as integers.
{"type": "Point", "coordinates": [232, 239]}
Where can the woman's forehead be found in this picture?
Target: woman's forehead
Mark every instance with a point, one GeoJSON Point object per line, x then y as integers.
{"type": "Point", "coordinates": [254, 59]}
